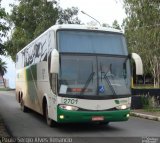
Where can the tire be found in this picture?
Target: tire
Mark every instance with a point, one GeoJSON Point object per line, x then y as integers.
{"type": "Point", "coordinates": [49, 121]}
{"type": "Point", "coordinates": [23, 107]}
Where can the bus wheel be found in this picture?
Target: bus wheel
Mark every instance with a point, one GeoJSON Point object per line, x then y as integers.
{"type": "Point", "coordinates": [23, 107]}
{"type": "Point", "coordinates": [49, 121]}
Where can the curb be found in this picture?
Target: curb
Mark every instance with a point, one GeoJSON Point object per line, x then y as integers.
{"type": "Point", "coordinates": [145, 116]}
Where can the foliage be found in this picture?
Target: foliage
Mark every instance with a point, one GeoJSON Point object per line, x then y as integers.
{"type": "Point", "coordinates": [68, 16]}
{"type": "Point", "coordinates": [29, 19]}
{"type": "Point", "coordinates": [3, 27]}
{"type": "Point", "coordinates": [2, 49]}
{"type": "Point", "coordinates": [105, 25]}
{"type": "Point", "coordinates": [152, 110]}
{"type": "Point", "coordinates": [145, 101]}
{"type": "Point", "coordinates": [142, 30]}
{"type": "Point", "coordinates": [116, 25]}
{"type": "Point", "coordinates": [32, 17]}
{"type": "Point", "coordinates": [3, 70]}
{"type": "Point", "coordinates": [149, 102]}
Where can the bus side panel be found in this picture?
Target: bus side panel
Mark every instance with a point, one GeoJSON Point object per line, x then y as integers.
{"type": "Point", "coordinates": [52, 98]}
{"type": "Point", "coordinates": [44, 89]}
{"type": "Point", "coordinates": [20, 84]}
{"type": "Point", "coordinates": [32, 78]}
{"type": "Point", "coordinates": [20, 76]}
{"type": "Point", "coordinates": [32, 96]}
{"type": "Point", "coordinates": [34, 85]}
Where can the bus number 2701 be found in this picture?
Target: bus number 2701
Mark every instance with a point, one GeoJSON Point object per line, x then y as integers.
{"type": "Point", "coordinates": [70, 101]}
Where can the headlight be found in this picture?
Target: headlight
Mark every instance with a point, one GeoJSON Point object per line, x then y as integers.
{"type": "Point", "coordinates": [123, 107]}
{"type": "Point", "coordinates": [68, 107]}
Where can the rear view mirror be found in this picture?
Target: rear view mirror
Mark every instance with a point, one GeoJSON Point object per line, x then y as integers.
{"type": "Point", "coordinates": [54, 61]}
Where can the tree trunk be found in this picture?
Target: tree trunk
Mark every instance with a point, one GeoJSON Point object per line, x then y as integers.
{"type": "Point", "coordinates": [154, 75]}
{"type": "Point", "coordinates": [4, 83]}
{"type": "Point", "coordinates": [144, 79]}
{"type": "Point", "coordinates": [157, 72]}
{"type": "Point", "coordinates": [154, 82]}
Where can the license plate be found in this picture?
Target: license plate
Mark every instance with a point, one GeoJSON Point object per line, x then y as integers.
{"type": "Point", "coordinates": [97, 118]}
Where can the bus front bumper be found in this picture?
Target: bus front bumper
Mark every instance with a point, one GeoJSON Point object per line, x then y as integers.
{"type": "Point", "coordinates": [65, 116]}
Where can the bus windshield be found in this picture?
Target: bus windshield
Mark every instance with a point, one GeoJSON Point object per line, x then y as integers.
{"type": "Point", "coordinates": [93, 63]}
{"type": "Point", "coordinates": [94, 75]}
{"type": "Point", "coordinates": [91, 42]}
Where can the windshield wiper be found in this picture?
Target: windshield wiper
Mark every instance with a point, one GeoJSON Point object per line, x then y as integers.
{"type": "Point", "coordinates": [87, 82]}
{"type": "Point", "coordinates": [107, 79]}
{"type": "Point", "coordinates": [109, 83]}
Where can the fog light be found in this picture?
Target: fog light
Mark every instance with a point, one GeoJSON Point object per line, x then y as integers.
{"type": "Point", "coordinates": [127, 115]}
{"type": "Point", "coordinates": [61, 116]}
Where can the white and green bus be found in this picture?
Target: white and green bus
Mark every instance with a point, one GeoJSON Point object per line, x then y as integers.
{"type": "Point", "coordinates": [75, 73]}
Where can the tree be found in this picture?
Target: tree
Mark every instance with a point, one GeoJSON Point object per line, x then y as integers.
{"type": "Point", "coordinates": [68, 16]}
{"type": "Point", "coordinates": [116, 25]}
{"type": "Point", "coordinates": [3, 70]}
{"type": "Point", "coordinates": [105, 25]}
{"type": "Point", "coordinates": [3, 28]}
{"type": "Point", "coordinates": [29, 19]}
{"type": "Point", "coordinates": [2, 49]}
{"type": "Point", "coordinates": [142, 30]}
{"type": "Point", "coordinates": [32, 17]}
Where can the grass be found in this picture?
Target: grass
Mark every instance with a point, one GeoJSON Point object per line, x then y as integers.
{"type": "Point", "coordinates": [151, 109]}
{"type": "Point", "coordinates": [6, 89]}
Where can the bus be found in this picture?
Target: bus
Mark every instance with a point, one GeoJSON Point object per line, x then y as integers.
{"type": "Point", "coordinates": [75, 74]}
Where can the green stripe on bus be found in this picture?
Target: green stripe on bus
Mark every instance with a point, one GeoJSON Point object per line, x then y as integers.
{"type": "Point", "coordinates": [31, 79]}
{"type": "Point", "coordinates": [31, 73]}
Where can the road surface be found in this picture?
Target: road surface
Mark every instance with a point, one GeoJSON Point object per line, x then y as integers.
{"type": "Point", "coordinates": [33, 125]}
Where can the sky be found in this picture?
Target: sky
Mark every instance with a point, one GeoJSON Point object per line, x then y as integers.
{"type": "Point", "coordinates": [11, 73]}
{"type": "Point", "coordinates": [105, 11]}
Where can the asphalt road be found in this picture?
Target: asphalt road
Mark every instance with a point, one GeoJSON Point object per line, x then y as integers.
{"type": "Point", "coordinates": [33, 125]}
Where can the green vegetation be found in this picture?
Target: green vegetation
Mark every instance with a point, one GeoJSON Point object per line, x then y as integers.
{"type": "Point", "coordinates": [31, 18]}
{"type": "Point", "coordinates": [3, 31]}
{"type": "Point", "coordinates": [152, 110]}
{"type": "Point", "coordinates": [3, 28]}
{"type": "Point", "coordinates": [116, 25]}
{"type": "Point", "coordinates": [142, 30]}
{"type": "Point", "coordinates": [6, 89]}
{"type": "Point", "coordinates": [3, 70]}
{"type": "Point", "coordinates": [150, 103]}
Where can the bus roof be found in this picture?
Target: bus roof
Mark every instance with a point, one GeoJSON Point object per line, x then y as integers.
{"type": "Point", "coordinates": [85, 27]}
